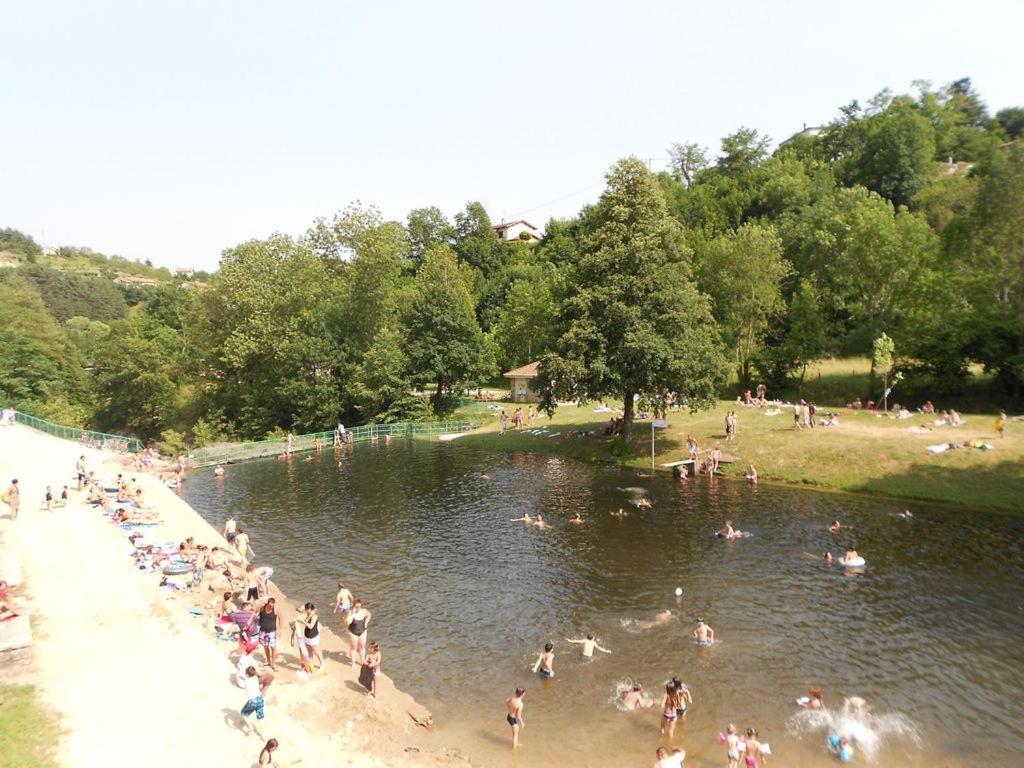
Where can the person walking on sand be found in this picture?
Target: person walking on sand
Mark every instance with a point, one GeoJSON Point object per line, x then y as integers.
{"type": "Point", "coordinates": [514, 716]}
{"type": "Point", "coordinates": [589, 645]}
{"type": "Point", "coordinates": [309, 636]}
{"type": "Point", "coordinates": [255, 687]}
{"type": "Point", "coordinates": [704, 635]}
{"type": "Point", "coordinates": [372, 663]}
{"type": "Point", "coordinates": [13, 498]}
{"type": "Point", "coordinates": [242, 544]}
{"type": "Point", "coordinates": [266, 759]}
{"type": "Point", "coordinates": [358, 624]}
{"type": "Point", "coordinates": [269, 625]}
{"type": "Point", "coordinates": [545, 663]}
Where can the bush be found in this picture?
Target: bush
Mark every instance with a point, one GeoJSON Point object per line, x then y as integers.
{"type": "Point", "coordinates": [172, 443]}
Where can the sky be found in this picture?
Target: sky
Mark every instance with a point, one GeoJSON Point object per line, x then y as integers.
{"type": "Point", "coordinates": [173, 130]}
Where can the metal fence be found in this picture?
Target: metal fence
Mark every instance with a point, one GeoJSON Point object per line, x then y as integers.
{"type": "Point", "coordinates": [86, 437]}
{"type": "Point", "coordinates": [225, 453]}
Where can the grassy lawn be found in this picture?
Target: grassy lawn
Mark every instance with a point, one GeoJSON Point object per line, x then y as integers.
{"type": "Point", "coordinates": [28, 733]}
{"type": "Point", "coordinates": [863, 454]}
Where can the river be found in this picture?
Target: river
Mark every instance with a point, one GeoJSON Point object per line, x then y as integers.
{"type": "Point", "coordinates": [930, 633]}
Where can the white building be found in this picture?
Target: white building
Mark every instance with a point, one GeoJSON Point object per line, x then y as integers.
{"type": "Point", "coordinates": [517, 230]}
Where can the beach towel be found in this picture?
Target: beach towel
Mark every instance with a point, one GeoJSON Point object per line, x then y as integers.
{"type": "Point", "coordinates": [941, 448]}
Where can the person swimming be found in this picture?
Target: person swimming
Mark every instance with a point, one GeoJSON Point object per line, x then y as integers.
{"type": "Point", "coordinates": [621, 513]}
{"type": "Point", "coordinates": [577, 520]}
{"type": "Point", "coordinates": [836, 527]}
{"type": "Point", "coordinates": [545, 662]}
{"type": "Point", "coordinates": [538, 522]}
{"type": "Point", "coordinates": [704, 634]}
{"type": "Point", "coordinates": [660, 618]}
{"type": "Point", "coordinates": [812, 700]}
{"type": "Point", "coordinates": [632, 697]}
{"type": "Point", "coordinates": [644, 503]}
{"type": "Point", "coordinates": [589, 645]}
{"type": "Point", "coordinates": [851, 557]}
{"type": "Point", "coordinates": [727, 532]}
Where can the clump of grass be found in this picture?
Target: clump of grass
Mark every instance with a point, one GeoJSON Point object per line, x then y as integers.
{"type": "Point", "coordinates": [28, 732]}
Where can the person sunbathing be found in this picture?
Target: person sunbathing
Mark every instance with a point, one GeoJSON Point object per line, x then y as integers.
{"type": "Point", "coordinates": [6, 603]}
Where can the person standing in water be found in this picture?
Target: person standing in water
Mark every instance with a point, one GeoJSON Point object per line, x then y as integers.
{"type": "Point", "coordinates": [342, 603]}
{"type": "Point", "coordinates": [752, 754]}
{"type": "Point", "coordinates": [358, 624]}
{"type": "Point", "coordinates": [545, 661]}
{"type": "Point", "coordinates": [589, 645]}
{"type": "Point", "coordinates": [727, 531]}
{"type": "Point", "coordinates": [669, 704]}
{"type": "Point", "coordinates": [514, 716]}
{"type": "Point", "coordinates": [732, 746]}
{"type": "Point", "coordinates": [704, 634]}
{"type": "Point", "coordinates": [684, 699]}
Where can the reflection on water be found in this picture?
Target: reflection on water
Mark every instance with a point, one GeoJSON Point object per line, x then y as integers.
{"type": "Point", "coordinates": [929, 633]}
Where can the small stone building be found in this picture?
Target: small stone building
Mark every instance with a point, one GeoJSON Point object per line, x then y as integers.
{"type": "Point", "coordinates": [521, 383]}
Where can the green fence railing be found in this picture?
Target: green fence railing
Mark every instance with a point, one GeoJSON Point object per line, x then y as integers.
{"type": "Point", "coordinates": [226, 453]}
{"type": "Point", "coordinates": [87, 437]}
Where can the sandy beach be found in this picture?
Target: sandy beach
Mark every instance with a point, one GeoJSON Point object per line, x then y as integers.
{"type": "Point", "coordinates": [135, 677]}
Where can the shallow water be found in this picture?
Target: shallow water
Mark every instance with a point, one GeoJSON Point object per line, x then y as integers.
{"type": "Point", "coordinates": [929, 633]}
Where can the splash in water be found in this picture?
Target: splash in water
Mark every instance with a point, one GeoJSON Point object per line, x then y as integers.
{"type": "Point", "coordinates": [864, 729]}
{"type": "Point", "coordinates": [624, 687]}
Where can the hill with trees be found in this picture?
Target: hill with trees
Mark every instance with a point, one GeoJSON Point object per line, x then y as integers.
{"type": "Point", "coordinates": [903, 216]}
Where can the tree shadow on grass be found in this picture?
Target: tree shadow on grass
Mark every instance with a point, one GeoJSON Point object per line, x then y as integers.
{"type": "Point", "coordinates": [996, 486]}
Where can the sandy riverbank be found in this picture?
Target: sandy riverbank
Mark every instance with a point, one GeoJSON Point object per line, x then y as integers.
{"type": "Point", "coordinates": [135, 677]}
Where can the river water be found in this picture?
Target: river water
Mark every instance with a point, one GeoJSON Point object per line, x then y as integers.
{"type": "Point", "coordinates": [930, 633]}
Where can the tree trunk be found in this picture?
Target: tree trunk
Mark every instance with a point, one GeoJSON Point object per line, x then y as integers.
{"type": "Point", "coordinates": [438, 397]}
{"type": "Point", "coordinates": [627, 416]}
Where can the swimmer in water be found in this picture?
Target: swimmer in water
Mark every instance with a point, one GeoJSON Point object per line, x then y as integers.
{"type": "Point", "coordinates": [751, 473]}
{"type": "Point", "coordinates": [539, 523]}
{"type": "Point", "coordinates": [589, 645]}
{"type": "Point", "coordinates": [632, 697]}
{"type": "Point", "coordinates": [644, 503]}
{"type": "Point", "coordinates": [514, 716]}
{"type": "Point", "coordinates": [704, 634]}
{"type": "Point", "coordinates": [577, 520]}
{"type": "Point", "coordinates": [667, 760]}
{"type": "Point", "coordinates": [545, 662]}
{"type": "Point", "coordinates": [485, 477]}
{"type": "Point", "coordinates": [727, 532]}
{"type": "Point", "coordinates": [840, 747]}
{"type": "Point", "coordinates": [851, 555]}
{"type": "Point", "coordinates": [218, 471]}
{"type": "Point", "coordinates": [906, 514]}
{"type": "Point", "coordinates": [836, 527]}
{"type": "Point", "coordinates": [732, 745]}
{"type": "Point", "coordinates": [813, 699]}
{"type": "Point", "coordinates": [661, 618]}
{"type": "Point", "coordinates": [620, 514]}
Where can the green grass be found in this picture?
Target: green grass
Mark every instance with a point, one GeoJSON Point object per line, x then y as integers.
{"type": "Point", "coordinates": [864, 454]}
{"type": "Point", "coordinates": [28, 732]}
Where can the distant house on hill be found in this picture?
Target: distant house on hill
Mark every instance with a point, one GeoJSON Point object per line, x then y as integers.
{"type": "Point", "coordinates": [184, 272]}
{"type": "Point", "coordinates": [517, 230]}
{"type": "Point", "coordinates": [521, 383]}
{"type": "Point", "coordinates": [810, 131]}
{"type": "Point", "coordinates": [135, 280]}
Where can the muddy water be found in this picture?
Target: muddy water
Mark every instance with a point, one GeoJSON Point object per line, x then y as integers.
{"type": "Point", "coordinates": [930, 634]}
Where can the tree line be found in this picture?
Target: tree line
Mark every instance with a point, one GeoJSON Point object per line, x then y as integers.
{"type": "Point", "coordinates": [904, 217]}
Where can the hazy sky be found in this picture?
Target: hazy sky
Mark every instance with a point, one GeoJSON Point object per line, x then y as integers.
{"type": "Point", "coordinates": [171, 130]}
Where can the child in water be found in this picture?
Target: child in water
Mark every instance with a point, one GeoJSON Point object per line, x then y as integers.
{"type": "Point", "coordinates": [545, 662]}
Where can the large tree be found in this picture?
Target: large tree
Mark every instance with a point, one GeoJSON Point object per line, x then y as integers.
{"type": "Point", "coordinates": [443, 341]}
{"type": "Point", "coordinates": [632, 321]}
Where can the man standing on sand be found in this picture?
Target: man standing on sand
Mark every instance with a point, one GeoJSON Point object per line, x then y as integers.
{"type": "Point", "coordinates": [589, 644]}
{"type": "Point", "coordinates": [80, 471]}
{"type": "Point", "coordinates": [13, 498]}
{"type": "Point", "coordinates": [514, 705]}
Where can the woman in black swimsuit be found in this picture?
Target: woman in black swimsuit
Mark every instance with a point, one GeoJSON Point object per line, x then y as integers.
{"type": "Point", "coordinates": [358, 623]}
{"type": "Point", "coordinates": [310, 639]}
